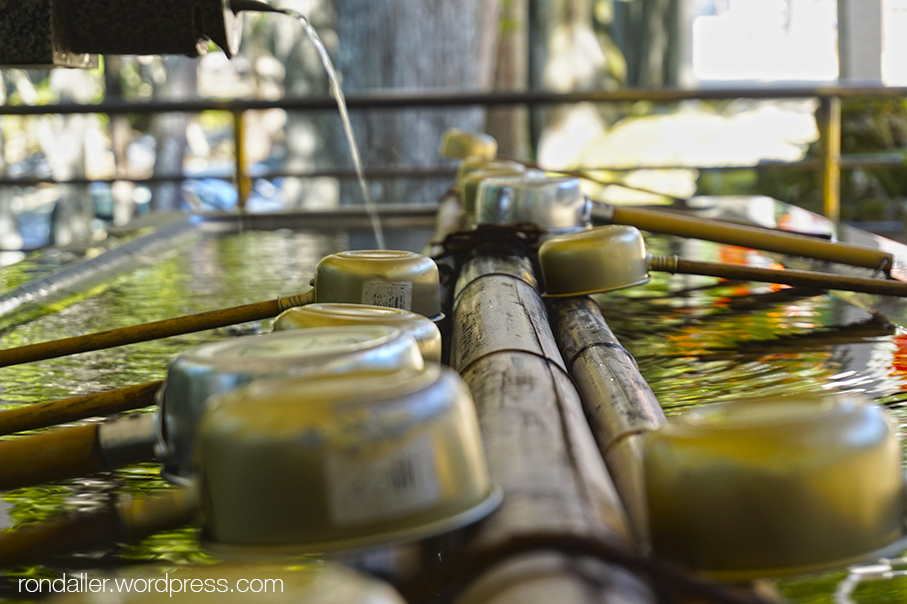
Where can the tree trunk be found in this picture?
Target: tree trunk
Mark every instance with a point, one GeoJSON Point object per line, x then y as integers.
{"type": "Point", "coordinates": [647, 33]}
{"type": "Point", "coordinates": [510, 125]}
{"type": "Point", "coordinates": [306, 132]}
{"type": "Point", "coordinates": [564, 56]}
{"type": "Point", "coordinates": [405, 44]}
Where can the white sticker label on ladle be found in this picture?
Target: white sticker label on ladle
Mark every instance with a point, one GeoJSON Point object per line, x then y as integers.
{"type": "Point", "coordinates": [393, 294]}
{"type": "Point", "coordinates": [366, 488]}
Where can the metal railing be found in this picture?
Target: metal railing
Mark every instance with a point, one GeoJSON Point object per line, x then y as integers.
{"type": "Point", "coordinates": [829, 121]}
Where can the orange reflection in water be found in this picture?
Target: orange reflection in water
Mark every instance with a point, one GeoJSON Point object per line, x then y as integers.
{"type": "Point", "coordinates": [743, 256]}
{"type": "Point", "coordinates": [899, 358]}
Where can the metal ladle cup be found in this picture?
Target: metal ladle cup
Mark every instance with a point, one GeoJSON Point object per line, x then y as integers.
{"type": "Point", "coordinates": [397, 279]}
{"type": "Point", "coordinates": [328, 314]}
{"type": "Point", "coordinates": [459, 143]}
{"type": "Point", "coordinates": [204, 371]}
{"type": "Point", "coordinates": [770, 487]}
{"type": "Point", "coordinates": [613, 257]}
{"type": "Point", "coordinates": [341, 462]}
{"type": "Point", "coordinates": [553, 204]}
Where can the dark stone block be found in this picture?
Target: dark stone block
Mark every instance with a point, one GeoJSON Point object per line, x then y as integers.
{"type": "Point", "coordinates": [31, 36]}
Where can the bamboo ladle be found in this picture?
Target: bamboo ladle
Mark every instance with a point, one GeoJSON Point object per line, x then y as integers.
{"type": "Point", "coordinates": [127, 398]}
{"type": "Point", "coordinates": [384, 278]}
{"type": "Point", "coordinates": [613, 257]}
{"type": "Point", "coordinates": [758, 238]}
{"type": "Point", "coordinates": [194, 376]}
{"type": "Point", "coordinates": [49, 413]}
{"type": "Point", "coordinates": [154, 330]}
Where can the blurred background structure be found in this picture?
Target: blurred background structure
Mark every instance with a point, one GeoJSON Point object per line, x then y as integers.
{"type": "Point", "coordinates": [65, 178]}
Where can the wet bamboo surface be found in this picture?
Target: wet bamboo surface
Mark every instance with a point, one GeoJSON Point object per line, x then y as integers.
{"type": "Point", "coordinates": [539, 447]}
{"type": "Point", "coordinates": [619, 404]}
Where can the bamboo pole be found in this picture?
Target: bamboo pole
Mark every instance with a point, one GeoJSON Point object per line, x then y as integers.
{"type": "Point", "coordinates": [797, 278]}
{"type": "Point", "coordinates": [127, 520]}
{"type": "Point", "coordinates": [619, 404]}
{"type": "Point", "coordinates": [60, 453]}
{"type": "Point", "coordinates": [538, 445]}
{"type": "Point", "coordinates": [76, 451]}
{"type": "Point", "coordinates": [151, 331]}
{"type": "Point", "coordinates": [98, 404]}
{"type": "Point", "coordinates": [672, 223]}
{"type": "Point", "coordinates": [241, 178]}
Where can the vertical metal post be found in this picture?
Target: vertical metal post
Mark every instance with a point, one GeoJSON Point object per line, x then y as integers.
{"type": "Point", "coordinates": [830, 131]}
{"type": "Point", "coordinates": [240, 177]}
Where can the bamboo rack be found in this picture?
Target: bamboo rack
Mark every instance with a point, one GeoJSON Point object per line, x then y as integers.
{"type": "Point", "coordinates": [539, 447]}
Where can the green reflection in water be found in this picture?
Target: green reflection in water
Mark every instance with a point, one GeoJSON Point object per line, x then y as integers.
{"type": "Point", "coordinates": [890, 591]}
{"type": "Point", "coordinates": [816, 589]}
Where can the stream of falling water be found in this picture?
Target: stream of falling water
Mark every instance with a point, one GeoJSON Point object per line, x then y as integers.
{"type": "Point", "coordinates": [337, 93]}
